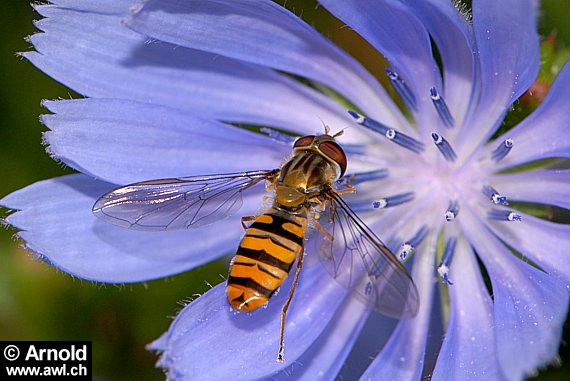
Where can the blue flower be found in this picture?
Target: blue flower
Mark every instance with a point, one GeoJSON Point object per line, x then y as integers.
{"type": "Point", "coordinates": [163, 86]}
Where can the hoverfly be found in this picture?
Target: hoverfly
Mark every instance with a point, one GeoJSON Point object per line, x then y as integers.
{"type": "Point", "coordinates": [303, 188]}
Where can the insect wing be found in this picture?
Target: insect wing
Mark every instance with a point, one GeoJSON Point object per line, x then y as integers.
{"type": "Point", "coordinates": [362, 263]}
{"type": "Point", "coordinates": [178, 203]}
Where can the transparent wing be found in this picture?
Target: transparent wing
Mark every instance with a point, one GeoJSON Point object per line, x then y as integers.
{"type": "Point", "coordinates": [179, 203]}
{"type": "Point", "coordinates": [362, 263]}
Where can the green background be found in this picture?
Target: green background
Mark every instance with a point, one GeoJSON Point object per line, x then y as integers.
{"type": "Point", "coordinates": [38, 302]}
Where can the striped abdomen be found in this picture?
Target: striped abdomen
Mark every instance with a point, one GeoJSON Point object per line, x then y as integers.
{"type": "Point", "coordinates": [265, 257]}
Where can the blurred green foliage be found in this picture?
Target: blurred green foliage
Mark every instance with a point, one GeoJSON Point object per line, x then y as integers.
{"type": "Point", "coordinates": [39, 303]}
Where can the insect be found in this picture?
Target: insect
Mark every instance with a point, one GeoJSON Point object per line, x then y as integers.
{"type": "Point", "coordinates": [303, 187]}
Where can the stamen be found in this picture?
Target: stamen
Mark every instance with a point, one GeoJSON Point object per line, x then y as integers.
{"type": "Point", "coordinates": [443, 268]}
{"type": "Point", "coordinates": [502, 150]}
{"type": "Point", "coordinates": [504, 215]}
{"type": "Point", "coordinates": [409, 247]}
{"type": "Point", "coordinates": [444, 147]}
{"type": "Point", "coordinates": [452, 211]}
{"type": "Point", "coordinates": [361, 177]}
{"type": "Point", "coordinates": [355, 149]}
{"type": "Point", "coordinates": [405, 250]}
{"type": "Point", "coordinates": [394, 244]}
{"type": "Point", "coordinates": [278, 136]}
{"type": "Point", "coordinates": [495, 196]}
{"type": "Point", "coordinates": [402, 89]}
{"type": "Point", "coordinates": [398, 199]}
{"type": "Point", "coordinates": [441, 108]}
{"type": "Point", "coordinates": [389, 133]}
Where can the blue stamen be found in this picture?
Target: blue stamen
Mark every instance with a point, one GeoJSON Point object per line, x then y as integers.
{"type": "Point", "coordinates": [409, 247]}
{"type": "Point", "coordinates": [504, 215]}
{"type": "Point", "coordinates": [502, 150]}
{"type": "Point", "coordinates": [443, 268]}
{"type": "Point", "coordinates": [402, 89]}
{"type": "Point", "coordinates": [444, 147]}
{"type": "Point", "coordinates": [449, 250]}
{"type": "Point", "coordinates": [417, 239]}
{"type": "Point", "coordinates": [395, 200]}
{"type": "Point", "coordinates": [356, 149]}
{"type": "Point", "coordinates": [278, 136]}
{"type": "Point", "coordinates": [393, 244]}
{"type": "Point", "coordinates": [359, 118]}
{"type": "Point", "coordinates": [495, 196]}
{"type": "Point", "coordinates": [452, 211]}
{"type": "Point", "coordinates": [389, 133]}
{"type": "Point", "coordinates": [441, 108]}
{"type": "Point", "coordinates": [361, 177]}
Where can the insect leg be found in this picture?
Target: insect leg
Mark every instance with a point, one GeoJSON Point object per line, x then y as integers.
{"type": "Point", "coordinates": [322, 229]}
{"type": "Point", "coordinates": [350, 189]}
{"type": "Point", "coordinates": [280, 355]}
{"type": "Point", "coordinates": [247, 219]}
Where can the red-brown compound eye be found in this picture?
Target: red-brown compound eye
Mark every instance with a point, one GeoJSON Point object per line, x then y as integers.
{"type": "Point", "coordinates": [335, 153]}
{"type": "Point", "coordinates": [304, 141]}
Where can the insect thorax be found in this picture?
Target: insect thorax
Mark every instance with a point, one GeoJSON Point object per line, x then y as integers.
{"type": "Point", "coordinates": [303, 177]}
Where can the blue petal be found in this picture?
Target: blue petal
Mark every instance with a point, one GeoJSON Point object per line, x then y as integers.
{"type": "Point", "coordinates": [210, 341]}
{"type": "Point", "coordinates": [395, 31]}
{"type": "Point", "coordinates": [124, 142]}
{"type": "Point", "coordinates": [455, 41]}
{"type": "Point", "coordinates": [58, 226]}
{"type": "Point", "coordinates": [508, 52]}
{"type": "Point", "coordinates": [545, 243]}
{"type": "Point", "coordinates": [545, 187]}
{"type": "Point", "coordinates": [324, 359]}
{"type": "Point", "coordinates": [264, 33]}
{"type": "Point", "coordinates": [544, 134]}
{"type": "Point", "coordinates": [114, 7]}
{"type": "Point", "coordinates": [468, 351]}
{"type": "Point", "coordinates": [529, 306]}
{"type": "Point", "coordinates": [124, 64]}
{"type": "Point", "coordinates": [402, 358]}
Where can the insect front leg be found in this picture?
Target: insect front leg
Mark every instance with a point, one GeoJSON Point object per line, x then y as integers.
{"type": "Point", "coordinates": [349, 189]}
{"type": "Point", "coordinates": [271, 180]}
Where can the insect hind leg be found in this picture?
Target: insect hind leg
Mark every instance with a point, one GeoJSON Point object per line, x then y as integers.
{"type": "Point", "coordinates": [281, 353]}
{"type": "Point", "coordinates": [245, 220]}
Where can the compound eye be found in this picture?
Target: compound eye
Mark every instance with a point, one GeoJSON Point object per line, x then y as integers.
{"type": "Point", "coordinates": [335, 153]}
{"type": "Point", "coordinates": [304, 141]}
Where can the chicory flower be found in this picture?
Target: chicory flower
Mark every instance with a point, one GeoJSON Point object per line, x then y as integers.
{"type": "Point", "coordinates": [167, 87]}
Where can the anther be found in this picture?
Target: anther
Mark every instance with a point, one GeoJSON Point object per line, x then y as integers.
{"type": "Point", "coordinates": [444, 147]}
{"type": "Point", "coordinates": [441, 108]}
{"type": "Point", "coordinates": [278, 136]}
{"type": "Point", "coordinates": [452, 211]}
{"type": "Point", "coordinates": [402, 89]}
{"type": "Point", "coordinates": [494, 196]}
{"type": "Point", "coordinates": [395, 200]}
{"type": "Point", "coordinates": [504, 215]}
{"type": "Point", "coordinates": [405, 250]}
{"type": "Point", "coordinates": [502, 150]}
{"type": "Point", "coordinates": [391, 134]}
{"type": "Point", "coordinates": [443, 268]}
{"type": "Point", "coordinates": [409, 247]}
{"type": "Point", "coordinates": [361, 177]}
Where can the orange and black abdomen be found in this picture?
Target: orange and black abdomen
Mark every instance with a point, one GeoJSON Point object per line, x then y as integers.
{"type": "Point", "coordinates": [264, 258]}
